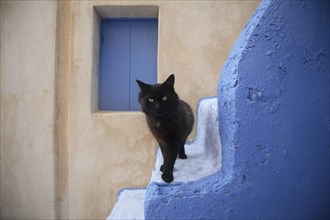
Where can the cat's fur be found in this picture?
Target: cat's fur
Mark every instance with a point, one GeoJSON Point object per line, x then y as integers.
{"type": "Point", "coordinates": [169, 119]}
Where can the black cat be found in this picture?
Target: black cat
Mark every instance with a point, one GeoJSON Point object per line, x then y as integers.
{"type": "Point", "coordinates": [169, 119]}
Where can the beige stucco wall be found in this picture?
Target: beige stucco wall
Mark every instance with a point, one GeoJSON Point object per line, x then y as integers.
{"type": "Point", "coordinates": [60, 157]}
{"type": "Point", "coordinates": [28, 33]}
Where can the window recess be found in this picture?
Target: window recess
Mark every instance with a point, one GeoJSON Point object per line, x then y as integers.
{"type": "Point", "coordinates": [128, 51]}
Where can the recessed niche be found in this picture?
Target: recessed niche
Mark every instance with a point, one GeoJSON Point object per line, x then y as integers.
{"type": "Point", "coordinates": [107, 13]}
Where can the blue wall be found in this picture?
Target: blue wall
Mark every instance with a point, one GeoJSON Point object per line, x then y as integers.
{"type": "Point", "coordinates": [274, 124]}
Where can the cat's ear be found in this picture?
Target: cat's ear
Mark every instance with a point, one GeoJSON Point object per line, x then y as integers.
{"type": "Point", "coordinates": [170, 81]}
{"type": "Point", "coordinates": [143, 86]}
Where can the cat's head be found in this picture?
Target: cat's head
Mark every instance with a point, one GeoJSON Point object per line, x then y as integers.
{"type": "Point", "coordinates": [160, 99]}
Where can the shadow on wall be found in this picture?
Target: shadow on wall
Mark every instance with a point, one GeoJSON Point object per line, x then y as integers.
{"type": "Point", "coordinates": [274, 124]}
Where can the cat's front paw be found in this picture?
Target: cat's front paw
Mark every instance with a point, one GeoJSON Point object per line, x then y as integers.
{"type": "Point", "coordinates": [167, 178]}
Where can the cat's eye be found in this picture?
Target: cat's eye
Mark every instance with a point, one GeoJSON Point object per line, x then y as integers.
{"type": "Point", "coordinates": [164, 98]}
{"type": "Point", "coordinates": [151, 100]}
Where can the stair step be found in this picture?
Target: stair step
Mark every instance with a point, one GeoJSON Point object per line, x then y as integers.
{"type": "Point", "coordinates": [129, 205]}
{"type": "Point", "coordinates": [203, 153]}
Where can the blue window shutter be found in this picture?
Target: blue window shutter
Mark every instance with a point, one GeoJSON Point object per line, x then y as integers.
{"type": "Point", "coordinates": [114, 65]}
{"type": "Point", "coordinates": [144, 37]}
{"type": "Point", "coordinates": [128, 52]}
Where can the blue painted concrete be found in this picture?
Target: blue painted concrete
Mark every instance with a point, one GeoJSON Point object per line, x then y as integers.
{"type": "Point", "coordinates": [274, 124]}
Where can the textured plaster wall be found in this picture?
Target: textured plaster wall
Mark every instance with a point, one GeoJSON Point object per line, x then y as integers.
{"type": "Point", "coordinates": [28, 33]}
{"type": "Point", "coordinates": [281, 154]}
{"type": "Point", "coordinates": [274, 124]}
{"type": "Point", "coordinates": [60, 157]}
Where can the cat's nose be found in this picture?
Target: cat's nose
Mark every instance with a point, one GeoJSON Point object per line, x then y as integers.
{"type": "Point", "coordinates": [157, 105]}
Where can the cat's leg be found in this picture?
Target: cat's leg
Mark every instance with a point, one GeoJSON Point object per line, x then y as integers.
{"type": "Point", "coordinates": [162, 150]}
{"type": "Point", "coordinates": [170, 155]}
{"type": "Point", "coordinates": [182, 154]}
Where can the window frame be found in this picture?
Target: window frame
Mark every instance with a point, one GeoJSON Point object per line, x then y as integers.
{"type": "Point", "coordinates": [148, 11]}
{"type": "Point", "coordinates": [128, 51]}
